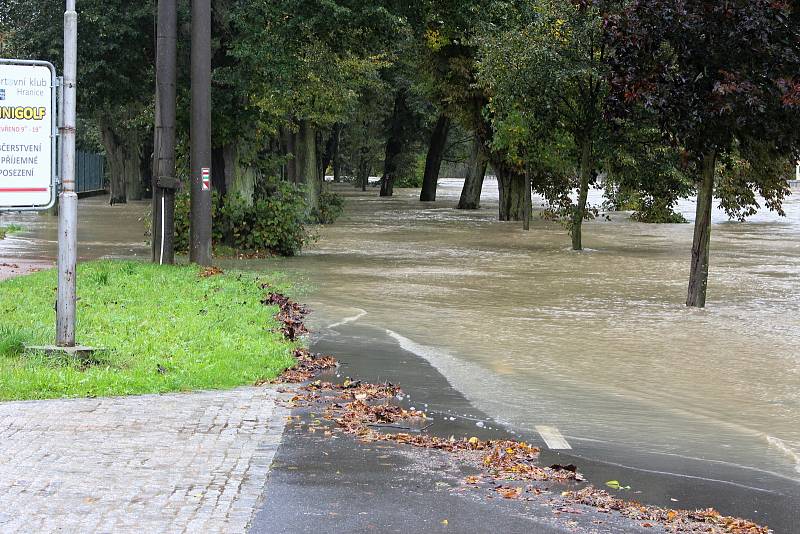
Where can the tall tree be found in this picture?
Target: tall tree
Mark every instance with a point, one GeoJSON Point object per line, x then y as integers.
{"type": "Point", "coordinates": [547, 104]}
{"type": "Point", "coordinates": [433, 160]}
{"type": "Point", "coordinates": [304, 63]}
{"type": "Point", "coordinates": [721, 80]}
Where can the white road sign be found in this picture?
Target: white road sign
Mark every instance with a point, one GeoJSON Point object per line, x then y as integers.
{"type": "Point", "coordinates": [27, 134]}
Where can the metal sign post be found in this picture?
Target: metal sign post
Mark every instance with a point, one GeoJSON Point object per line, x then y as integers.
{"type": "Point", "coordinates": [28, 154]}
{"type": "Point", "coordinates": [68, 200]}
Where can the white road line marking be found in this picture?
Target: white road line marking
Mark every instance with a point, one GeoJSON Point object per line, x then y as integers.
{"type": "Point", "coordinates": [553, 438]}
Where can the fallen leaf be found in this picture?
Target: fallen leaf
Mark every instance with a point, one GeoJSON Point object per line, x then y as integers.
{"type": "Point", "coordinates": [509, 493]}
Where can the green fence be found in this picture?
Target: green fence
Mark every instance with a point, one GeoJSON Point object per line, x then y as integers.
{"type": "Point", "coordinates": [90, 173]}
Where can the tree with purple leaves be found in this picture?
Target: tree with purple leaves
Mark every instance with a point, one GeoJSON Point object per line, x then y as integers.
{"type": "Point", "coordinates": [722, 81]}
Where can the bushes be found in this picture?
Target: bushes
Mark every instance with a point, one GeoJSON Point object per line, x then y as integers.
{"type": "Point", "coordinates": [276, 223]}
{"type": "Point", "coordinates": [331, 206]}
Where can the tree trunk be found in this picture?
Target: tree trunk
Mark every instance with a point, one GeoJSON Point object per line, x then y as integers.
{"type": "Point", "coordinates": [240, 180]}
{"type": "Point", "coordinates": [433, 162]}
{"type": "Point", "coordinates": [473, 183]}
{"type": "Point", "coordinates": [511, 184]}
{"type": "Point", "coordinates": [698, 273]}
{"type": "Point", "coordinates": [579, 210]}
{"type": "Point", "coordinates": [528, 206]}
{"type": "Point", "coordinates": [396, 143]}
{"type": "Point", "coordinates": [336, 156]}
{"type": "Point", "coordinates": [322, 158]}
{"type": "Point", "coordinates": [124, 161]}
{"type": "Point", "coordinates": [307, 171]}
{"type": "Point", "coordinates": [290, 139]}
{"type": "Point", "coordinates": [146, 168]}
{"type": "Point", "coordinates": [363, 171]}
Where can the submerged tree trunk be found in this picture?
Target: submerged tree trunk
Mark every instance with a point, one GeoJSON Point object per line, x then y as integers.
{"type": "Point", "coordinates": [433, 161]}
{"type": "Point", "coordinates": [322, 158]}
{"type": "Point", "coordinates": [473, 182]}
{"type": "Point", "coordinates": [362, 178]}
{"type": "Point", "coordinates": [307, 170]}
{"type": "Point", "coordinates": [698, 273]}
{"type": "Point", "coordinates": [123, 151]}
{"type": "Point", "coordinates": [396, 143]}
{"type": "Point", "coordinates": [511, 184]}
{"type": "Point", "coordinates": [579, 210]}
{"type": "Point", "coordinates": [528, 206]}
{"type": "Point", "coordinates": [330, 156]}
{"type": "Point", "coordinates": [336, 155]}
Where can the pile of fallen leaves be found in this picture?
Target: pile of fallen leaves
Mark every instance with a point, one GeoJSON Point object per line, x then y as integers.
{"type": "Point", "coordinates": [708, 520]}
{"type": "Point", "coordinates": [359, 408]}
{"type": "Point", "coordinates": [291, 315]}
{"type": "Point", "coordinates": [307, 367]}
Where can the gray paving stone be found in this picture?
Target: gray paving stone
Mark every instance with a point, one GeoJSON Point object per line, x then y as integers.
{"type": "Point", "coordinates": [193, 462]}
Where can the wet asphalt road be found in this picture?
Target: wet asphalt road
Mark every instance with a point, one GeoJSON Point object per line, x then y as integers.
{"type": "Point", "coordinates": [341, 485]}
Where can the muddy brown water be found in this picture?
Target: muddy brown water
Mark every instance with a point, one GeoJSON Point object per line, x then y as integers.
{"type": "Point", "coordinates": [597, 344]}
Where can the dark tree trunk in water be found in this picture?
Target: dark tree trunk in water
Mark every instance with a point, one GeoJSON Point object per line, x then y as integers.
{"type": "Point", "coordinates": [362, 176]}
{"type": "Point", "coordinates": [579, 210]}
{"type": "Point", "coordinates": [528, 206]}
{"type": "Point", "coordinates": [511, 184]}
{"type": "Point", "coordinates": [396, 143]}
{"type": "Point", "coordinates": [433, 162]}
{"type": "Point", "coordinates": [330, 156]}
{"type": "Point", "coordinates": [698, 273]}
{"type": "Point", "coordinates": [336, 156]}
{"type": "Point", "coordinates": [322, 158]}
{"type": "Point", "coordinates": [307, 170]}
{"type": "Point", "coordinates": [124, 153]}
{"type": "Point", "coordinates": [473, 182]}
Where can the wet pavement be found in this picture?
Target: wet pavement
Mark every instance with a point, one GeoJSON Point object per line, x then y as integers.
{"type": "Point", "coordinates": [176, 463]}
{"type": "Point", "coordinates": [338, 485]}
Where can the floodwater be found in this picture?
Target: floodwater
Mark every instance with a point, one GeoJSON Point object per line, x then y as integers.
{"type": "Point", "coordinates": [597, 344]}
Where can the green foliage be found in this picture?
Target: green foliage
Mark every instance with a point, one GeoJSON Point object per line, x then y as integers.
{"type": "Point", "coordinates": [160, 328]}
{"type": "Point", "coordinates": [9, 229]}
{"type": "Point", "coordinates": [275, 223]}
{"type": "Point", "coordinates": [412, 169]}
{"type": "Point", "coordinates": [331, 206]}
{"type": "Point", "coordinates": [657, 211]}
{"type": "Point", "coordinates": [714, 90]}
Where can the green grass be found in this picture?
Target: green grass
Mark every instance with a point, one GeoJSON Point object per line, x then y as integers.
{"type": "Point", "coordinates": [9, 229]}
{"type": "Point", "coordinates": [161, 329]}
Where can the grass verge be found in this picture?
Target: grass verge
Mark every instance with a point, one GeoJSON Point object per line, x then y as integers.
{"type": "Point", "coordinates": [161, 329]}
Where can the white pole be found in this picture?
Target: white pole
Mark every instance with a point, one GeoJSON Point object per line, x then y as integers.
{"type": "Point", "coordinates": [68, 200]}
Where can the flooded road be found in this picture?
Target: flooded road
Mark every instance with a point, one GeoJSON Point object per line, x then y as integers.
{"type": "Point", "coordinates": [597, 344]}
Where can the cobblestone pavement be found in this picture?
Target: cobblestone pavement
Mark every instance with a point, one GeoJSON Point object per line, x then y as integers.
{"type": "Point", "coordinates": [193, 462]}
